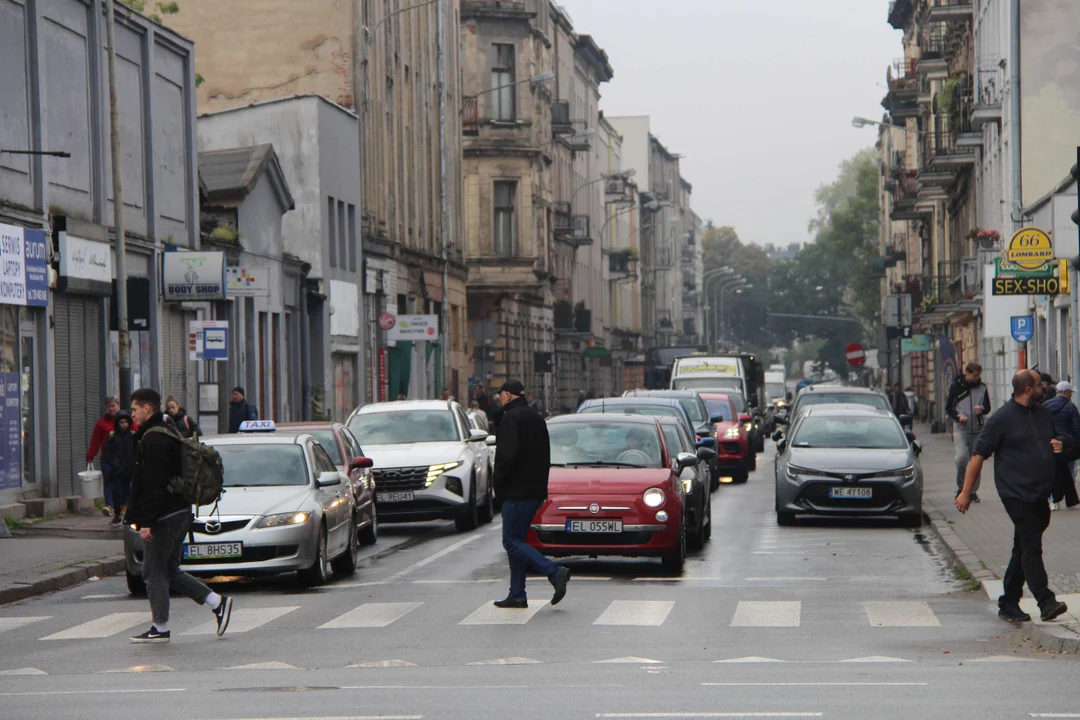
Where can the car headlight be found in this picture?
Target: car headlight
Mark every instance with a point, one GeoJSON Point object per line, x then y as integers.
{"type": "Point", "coordinates": [794, 472]}
{"type": "Point", "coordinates": [654, 497]}
{"type": "Point", "coordinates": [749, 427]}
{"type": "Point", "coordinates": [908, 473]}
{"type": "Point", "coordinates": [435, 471]}
{"type": "Point", "coordinates": [687, 485]}
{"type": "Point", "coordinates": [732, 433]}
{"type": "Point", "coordinates": [280, 519]}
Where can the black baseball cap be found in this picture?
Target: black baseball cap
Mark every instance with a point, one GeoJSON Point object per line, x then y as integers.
{"type": "Point", "coordinates": [514, 387]}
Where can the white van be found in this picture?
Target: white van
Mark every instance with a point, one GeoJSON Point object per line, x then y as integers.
{"type": "Point", "coordinates": [775, 386]}
{"type": "Point", "coordinates": [699, 372]}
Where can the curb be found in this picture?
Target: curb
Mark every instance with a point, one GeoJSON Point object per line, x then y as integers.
{"type": "Point", "coordinates": [60, 579]}
{"type": "Point", "coordinates": [1053, 638]}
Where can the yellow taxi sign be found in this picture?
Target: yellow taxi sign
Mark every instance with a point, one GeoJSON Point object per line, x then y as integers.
{"type": "Point", "coordinates": [1030, 248]}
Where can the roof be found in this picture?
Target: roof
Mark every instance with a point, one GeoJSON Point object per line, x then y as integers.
{"type": "Point", "coordinates": [258, 438]}
{"type": "Point", "coordinates": [660, 393]}
{"type": "Point", "coordinates": [286, 99]}
{"type": "Point", "coordinates": [845, 389]}
{"type": "Point", "coordinates": [633, 400]}
{"type": "Point", "coordinates": [230, 175]}
{"type": "Point", "coordinates": [405, 405]}
{"type": "Point", "coordinates": [846, 410]}
{"type": "Point", "coordinates": [592, 419]}
{"type": "Point", "coordinates": [309, 425]}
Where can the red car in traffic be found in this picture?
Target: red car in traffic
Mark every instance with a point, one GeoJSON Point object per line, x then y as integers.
{"type": "Point", "coordinates": [613, 490]}
{"type": "Point", "coordinates": [733, 455]}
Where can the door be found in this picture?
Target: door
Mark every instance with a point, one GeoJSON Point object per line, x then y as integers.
{"type": "Point", "coordinates": [178, 379]}
{"type": "Point", "coordinates": [336, 506]}
{"type": "Point", "coordinates": [344, 386]}
{"type": "Point", "coordinates": [80, 398]}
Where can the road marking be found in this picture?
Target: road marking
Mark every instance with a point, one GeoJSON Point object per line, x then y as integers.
{"type": "Point", "coordinates": [103, 627]}
{"type": "Point", "coordinates": [1004, 658]}
{"type": "Point", "coordinates": [488, 614]}
{"type": "Point", "coordinates": [757, 613]}
{"type": "Point", "coordinates": [814, 684]}
{"type": "Point", "coordinates": [432, 558]}
{"type": "Point", "coordinates": [347, 586]}
{"type": "Point", "coordinates": [1056, 715]}
{"type": "Point", "coordinates": [10, 623]}
{"type": "Point", "coordinates": [636, 612]}
{"type": "Point", "coordinates": [438, 687]}
{"type": "Point", "coordinates": [701, 578]}
{"type": "Point", "coordinates": [787, 578]}
{"type": "Point", "coordinates": [901, 613]}
{"type": "Point", "coordinates": [713, 715]}
{"type": "Point", "coordinates": [508, 661]}
{"type": "Point", "coordinates": [244, 620]}
{"type": "Point", "coordinates": [93, 692]}
{"type": "Point", "coordinates": [107, 596]}
{"type": "Point", "coordinates": [139, 669]}
{"type": "Point", "coordinates": [372, 615]}
{"type": "Point", "coordinates": [383, 664]}
{"type": "Point", "coordinates": [455, 582]}
{"type": "Point", "coordinates": [630, 660]}
{"type": "Point", "coordinates": [23, 671]}
{"type": "Point", "coordinates": [588, 578]}
{"type": "Point", "coordinates": [750, 659]}
{"type": "Point", "coordinates": [273, 665]}
{"type": "Point", "coordinates": [874, 659]}
{"type": "Point", "coordinates": [339, 717]}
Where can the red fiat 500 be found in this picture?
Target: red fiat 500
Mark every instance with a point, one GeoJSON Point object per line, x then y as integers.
{"type": "Point", "coordinates": [732, 442]}
{"type": "Point", "coordinates": [613, 490]}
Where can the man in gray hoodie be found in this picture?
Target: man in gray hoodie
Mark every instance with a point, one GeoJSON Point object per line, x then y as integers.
{"type": "Point", "coordinates": [967, 405]}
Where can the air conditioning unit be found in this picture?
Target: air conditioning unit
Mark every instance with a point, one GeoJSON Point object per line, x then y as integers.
{"type": "Point", "coordinates": [614, 187]}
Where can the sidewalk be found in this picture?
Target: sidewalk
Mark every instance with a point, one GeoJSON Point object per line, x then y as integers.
{"type": "Point", "coordinates": [55, 554]}
{"type": "Point", "coordinates": [982, 539]}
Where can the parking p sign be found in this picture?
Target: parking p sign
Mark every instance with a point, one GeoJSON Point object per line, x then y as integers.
{"type": "Point", "coordinates": [1023, 328]}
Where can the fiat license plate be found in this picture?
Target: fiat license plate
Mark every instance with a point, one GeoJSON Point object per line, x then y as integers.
{"type": "Point", "coordinates": [851, 492]}
{"type": "Point", "coordinates": [392, 497]}
{"type": "Point", "coordinates": [594, 526]}
{"type": "Point", "coordinates": [213, 551]}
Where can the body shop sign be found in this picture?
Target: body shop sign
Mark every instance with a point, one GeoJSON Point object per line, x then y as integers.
{"type": "Point", "coordinates": [23, 267]}
{"type": "Point", "coordinates": [193, 276]}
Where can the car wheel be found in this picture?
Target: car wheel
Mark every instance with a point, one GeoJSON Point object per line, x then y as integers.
{"type": "Point", "coordinates": [785, 519]}
{"type": "Point", "coordinates": [471, 517]}
{"type": "Point", "coordinates": [751, 462]}
{"type": "Point", "coordinates": [135, 584]}
{"type": "Point", "coordinates": [714, 481]}
{"type": "Point", "coordinates": [370, 534]}
{"type": "Point", "coordinates": [674, 560]}
{"type": "Point", "coordinates": [345, 564]}
{"type": "Point", "coordinates": [911, 520]}
{"type": "Point", "coordinates": [696, 541]}
{"type": "Point", "coordinates": [318, 572]}
{"type": "Point", "coordinates": [740, 476]}
{"type": "Point", "coordinates": [708, 516]}
{"type": "Point", "coordinates": [487, 510]}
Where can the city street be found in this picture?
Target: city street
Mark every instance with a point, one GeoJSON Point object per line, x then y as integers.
{"type": "Point", "coordinates": [826, 619]}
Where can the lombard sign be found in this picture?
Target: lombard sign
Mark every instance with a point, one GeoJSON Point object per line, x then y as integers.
{"type": "Point", "coordinates": [414, 327]}
{"type": "Point", "coordinates": [24, 258]}
{"type": "Point", "coordinates": [1030, 249]}
{"type": "Point", "coordinates": [1028, 266]}
{"type": "Point", "coordinates": [193, 276]}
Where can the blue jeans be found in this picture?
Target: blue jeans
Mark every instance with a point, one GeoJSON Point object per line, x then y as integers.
{"type": "Point", "coordinates": [116, 491]}
{"type": "Point", "coordinates": [517, 516]}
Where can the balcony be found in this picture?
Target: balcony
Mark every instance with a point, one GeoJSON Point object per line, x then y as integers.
{"type": "Point", "coordinates": [957, 283]}
{"type": "Point", "coordinates": [560, 118]}
{"type": "Point", "coordinates": [562, 222]}
{"type": "Point", "coordinates": [687, 257]}
{"type": "Point", "coordinates": [902, 99]}
{"type": "Point", "coordinates": [663, 259]}
{"type": "Point", "coordinates": [933, 47]}
{"type": "Point", "coordinates": [470, 117]}
{"type": "Point", "coordinates": [663, 320]}
{"type": "Point", "coordinates": [905, 196]}
{"type": "Point", "coordinates": [952, 11]}
{"type": "Point", "coordinates": [581, 236]}
{"type": "Point", "coordinates": [990, 81]}
{"type": "Point", "coordinates": [900, 13]}
{"type": "Point", "coordinates": [623, 264]}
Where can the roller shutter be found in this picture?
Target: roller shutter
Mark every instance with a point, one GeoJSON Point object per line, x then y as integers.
{"type": "Point", "coordinates": [80, 396]}
{"type": "Point", "coordinates": [179, 380]}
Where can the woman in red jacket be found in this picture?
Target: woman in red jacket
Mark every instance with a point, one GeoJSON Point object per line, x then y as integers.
{"type": "Point", "coordinates": [103, 429]}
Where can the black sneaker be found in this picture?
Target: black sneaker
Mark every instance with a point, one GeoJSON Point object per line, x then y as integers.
{"type": "Point", "coordinates": [223, 613]}
{"type": "Point", "coordinates": [1013, 614]}
{"type": "Point", "coordinates": [560, 585]}
{"type": "Point", "coordinates": [151, 636]}
{"type": "Point", "coordinates": [1053, 610]}
{"type": "Point", "coordinates": [511, 603]}
{"type": "Point", "coordinates": [116, 522]}
{"type": "Point", "coordinates": [975, 498]}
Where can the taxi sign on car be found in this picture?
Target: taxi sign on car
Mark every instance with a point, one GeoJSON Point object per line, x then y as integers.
{"type": "Point", "coordinates": [258, 426]}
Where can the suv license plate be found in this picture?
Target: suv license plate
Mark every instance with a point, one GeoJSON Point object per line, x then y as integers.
{"type": "Point", "coordinates": [594, 526]}
{"type": "Point", "coordinates": [213, 551]}
{"type": "Point", "coordinates": [851, 492]}
{"type": "Point", "coordinates": [392, 497]}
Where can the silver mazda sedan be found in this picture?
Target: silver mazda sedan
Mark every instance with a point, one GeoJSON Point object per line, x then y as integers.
{"type": "Point", "coordinates": [848, 460]}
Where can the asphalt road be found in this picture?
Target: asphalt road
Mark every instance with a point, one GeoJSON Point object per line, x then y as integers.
{"type": "Point", "coordinates": [830, 619]}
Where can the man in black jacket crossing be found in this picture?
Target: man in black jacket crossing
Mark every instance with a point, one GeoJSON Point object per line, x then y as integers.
{"type": "Point", "coordinates": [522, 461]}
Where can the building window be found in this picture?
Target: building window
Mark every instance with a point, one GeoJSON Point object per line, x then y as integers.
{"type": "Point", "coordinates": [502, 78]}
{"type": "Point", "coordinates": [343, 235]}
{"type": "Point", "coordinates": [505, 193]}
{"type": "Point", "coordinates": [331, 229]}
{"type": "Point", "coordinates": [352, 237]}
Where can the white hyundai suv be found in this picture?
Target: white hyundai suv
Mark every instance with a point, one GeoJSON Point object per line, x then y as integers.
{"type": "Point", "coordinates": [429, 462]}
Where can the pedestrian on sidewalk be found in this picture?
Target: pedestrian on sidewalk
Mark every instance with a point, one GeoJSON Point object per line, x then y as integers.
{"type": "Point", "coordinates": [187, 427]}
{"type": "Point", "coordinates": [968, 405]}
{"type": "Point", "coordinates": [240, 410]}
{"type": "Point", "coordinates": [1022, 439]}
{"type": "Point", "coordinates": [521, 481]}
{"type": "Point", "coordinates": [1066, 422]}
{"type": "Point", "coordinates": [103, 428]}
{"type": "Point", "coordinates": [1049, 387]}
{"type": "Point", "coordinates": [163, 518]}
{"type": "Point", "coordinates": [118, 466]}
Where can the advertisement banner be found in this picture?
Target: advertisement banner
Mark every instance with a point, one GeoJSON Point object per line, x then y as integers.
{"type": "Point", "coordinates": [85, 265]}
{"type": "Point", "coordinates": [193, 276]}
{"type": "Point", "coordinates": [24, 278]}
{"type": "Point", "coordinates": [10, 431]}
{"type": "Point", "coordinates": [414, 327]}
{"type": "Point", "coordinates": [247, 281]}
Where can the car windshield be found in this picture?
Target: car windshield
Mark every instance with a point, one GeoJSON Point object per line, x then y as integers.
{"type": "Point", "coordinates": [878, 433]}
{"type": "Point", "coordinates": [329, 444]}
{"type": "Point", "coordinates": [263, 465]}
{"type": "Point", "coordinates": [605, 443]}
{"type": "Point", "coordinates": [703, 383]}
{"type": "Point", "coordinates": [650, 410]}
{"type": "Point", "coordinates": [774, 390]}
{"type": "Point", "coordinates": [721, 408]}
{"type": "Point", "coordinates": [868, 399]}
{"type": "Point", "coordinates": [672, 438]}
{"type": "Point", "coordinates": [394, 427]}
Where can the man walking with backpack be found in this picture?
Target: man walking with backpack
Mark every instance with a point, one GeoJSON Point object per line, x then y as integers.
{"type": "Point", "coordinates": [162, 518]}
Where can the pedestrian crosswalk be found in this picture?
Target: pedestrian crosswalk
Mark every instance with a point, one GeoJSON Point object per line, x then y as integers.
{"type": "Point", "coordinates": [750, 614]}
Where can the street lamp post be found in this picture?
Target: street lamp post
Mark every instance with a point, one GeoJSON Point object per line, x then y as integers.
{"type": "Point", "coordinates": [712, 276]}
{"type": "Point", "coordinates": [718, 288]}
{"type": "Point", "coordinates": [738, 288]}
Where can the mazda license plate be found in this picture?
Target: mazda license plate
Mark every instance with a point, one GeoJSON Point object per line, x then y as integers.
{"type": "Point", "coordinates": [392, 497]}
{"type": "Point", "coordinates": [213, 551]}
{"type": "Point", "coordinates": [851, 492]}
{"type": "Point", "coordinates": [594, 526]}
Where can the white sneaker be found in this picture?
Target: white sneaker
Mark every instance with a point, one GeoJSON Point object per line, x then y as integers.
{"type": "Point", "coordinates": [1055, 506]}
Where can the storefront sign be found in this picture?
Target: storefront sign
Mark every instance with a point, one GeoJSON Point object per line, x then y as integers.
{"type": "Point", "coordinates": [24, 261]}
{"type": "Point", "coordinates": [247, 281]}
{"type": "Point", "coordinates": [208, 340]}
{"type": "Point", "coordinates": [1051, 278]}
{"type": "Point", "coordinates": [10, 431]}
{"type": "Point", "coordinates": [915, 343]}
{"type": "Point", "coordinates": [193, 276]}
{"type": "Point", "coordinates": [85, 265]}
{"type": "Point", "coordinates": [1030, 249]}
{"type": "Point", "coordinates": [414, 327]}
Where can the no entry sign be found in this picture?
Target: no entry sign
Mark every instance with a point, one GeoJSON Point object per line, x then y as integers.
{"type": "Point", "coordinates": [855, 354]}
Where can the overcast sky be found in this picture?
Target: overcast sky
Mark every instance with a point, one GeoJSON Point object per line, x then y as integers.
{"type": "Point", "coordinates": [757, 95]}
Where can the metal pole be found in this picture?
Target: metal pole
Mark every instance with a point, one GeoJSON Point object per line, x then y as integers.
{"type": "Point", "coordinates": [443, 210]}
{"type": "Point", "coordinates": [360, 103]}
{"type": "Point", "coordinates": [118, 209]}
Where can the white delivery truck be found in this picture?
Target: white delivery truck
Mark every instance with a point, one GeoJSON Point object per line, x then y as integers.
{"type": "Point", "coordinates": [700, 372]}
{"type": "Point", "coordinates": [775, 386]}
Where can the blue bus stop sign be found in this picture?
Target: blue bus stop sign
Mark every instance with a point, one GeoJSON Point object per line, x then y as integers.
{"type": "Point", "coordinates": [1023, 327]}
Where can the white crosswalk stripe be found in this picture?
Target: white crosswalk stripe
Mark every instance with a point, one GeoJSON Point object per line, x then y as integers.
{"type": "Point", "coordinates": [372, 615]}
{"type": "Point", "coordinates": [102, 627]}
{"type": "Point", "coordinates": [759, 613]}
{"type": "Point", "coordinates": [244, 620]}
{"type": "Point", "coordinates": [488, 614]}
{"type": "Point", "coordinates": [635, 612]}
{"type": "Point", "coordinates": [901, 613]}
{"type": "Point", "coordinates": [10, 623]}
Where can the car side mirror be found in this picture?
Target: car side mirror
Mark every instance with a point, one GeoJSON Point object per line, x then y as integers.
{"type": "Point", "coordinates": [780, 445]}
{"type": "Point", "coordinates": [707, 442]}
{"type": "Point", "coordinates": [905, 419]}
{"type": "Point", "coordinates": [478, 435]}
{"type": "Point", "coordinates": [705, 454]}
{"type": "Point", "coordinates": [910, 436]}
{"type": "Point", "coordinates": [916, 447]}
{"type": "Point", "coordinates": [685, 460]}
{"type": "Point", "coordinates": [745, 417]}
{"type": "Point", "coordinates": [362, 462]}
{"type": "Point", "coordinates": [716, 419]}
{"type": "Point", "coordinates": [490, 440]}
{"type": "Point", "coordinates": [328, 479]}
{"type": "Point", "coordinates": [778, 436]}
